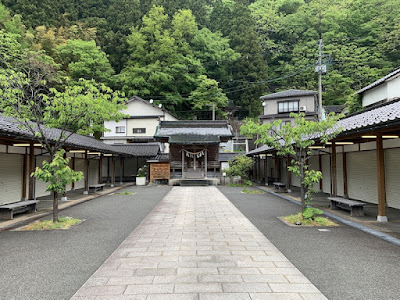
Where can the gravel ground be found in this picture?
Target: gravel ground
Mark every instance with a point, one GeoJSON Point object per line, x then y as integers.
{"type": "Point", "coordinates": [343, 263]}
{"type": "Point", "coordinates": [54, 264]}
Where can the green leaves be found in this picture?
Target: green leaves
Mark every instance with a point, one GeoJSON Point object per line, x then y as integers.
{"type": "Point", "coordinates": [57, 173]}
{"type": "Point", "coordinates": [240, 166]}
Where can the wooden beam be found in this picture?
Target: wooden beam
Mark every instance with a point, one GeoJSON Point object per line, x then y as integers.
{"type": "Point", "coordinates": [345, 187]}
{"type": "Point", "coordinates": [31, 189]}
{"type": "Point", "coordinates": [320, 169]}
{"type": "Point", "coordinates": [380, 155]}
{"type": "Point", "coordinates": [24, 175]}
{"type": "Point", "coordinates": [334, 178]}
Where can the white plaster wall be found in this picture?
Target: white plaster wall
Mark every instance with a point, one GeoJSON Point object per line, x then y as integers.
{"type": "Point", "coordinates": [374, 95]}
{"type": "Point", "coordinates": [326, 179]}
{"type": "Point", "coordinates": [393, 88]}
{"type": "Point", "coordinates": [392, 170]}
{"type": "Point", "coordinates": [150, 125]}
{"type": "Point", "coordinates": [111, 125]}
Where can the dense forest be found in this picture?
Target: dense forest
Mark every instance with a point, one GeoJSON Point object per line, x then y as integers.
{"type": "Point", "coordinates": [190, 54]}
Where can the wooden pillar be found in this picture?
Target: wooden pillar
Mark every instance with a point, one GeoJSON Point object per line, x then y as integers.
{"type": "Point", "coordinates": [112, 171]}
{"type": "Point", "coordinates": [86, 174]}
{"type": "Point", "coordinates": [276, 167]}
{"type": "Point", "coordinates": [31, 192]}
{"type": "Point", "coordinates": [24, 171]}
{"type": "Point", "coordinates": [108, 169]}
{"type": "Point", "coordinates": [183, 164]}
{"type": "Point", "coordinates": [266, 168]}
{"type": "Point", "coordinates": [73, 168]}
{"type": "Point", "coordinates": [320, 169]}
{"type": "Point", "coordinates": [101, 168]}
{"type": "Point", "coordinates": [121, 171]}
{"type": "Point", "coordinates": [345, 187]}
{"type": "Point", "coordinates": [288, 175]}
{"type": "Point", "coordinates": [334, 178]}
{"type": "Point", "coordinates": [380, 155]}
{"type": "Point", "coordinates": [205, 163]}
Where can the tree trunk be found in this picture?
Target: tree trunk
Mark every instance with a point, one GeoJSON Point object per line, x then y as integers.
{"type": "Point", "coordinates": [302, 188]}
{"type": "Point", "coordinates": [55, 207]}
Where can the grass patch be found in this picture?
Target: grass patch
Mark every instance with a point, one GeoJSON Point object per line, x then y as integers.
{"type": "Point", "coordinates": [318, 221]}
{"type": "Point", "coordinates": [125, 193]}
{"type": "Point", "coordinates": [246, 191]}
{"type": "Point", "coordinates": [63, 223]}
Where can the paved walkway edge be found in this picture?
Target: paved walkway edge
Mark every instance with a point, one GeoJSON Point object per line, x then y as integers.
{"type": "Point", "coordinates": [61, 206]}
{"type": "Point", "coordinates": [376, 233]}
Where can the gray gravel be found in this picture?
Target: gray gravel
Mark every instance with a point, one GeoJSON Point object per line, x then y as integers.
{"type": "Point", "coordinates": [54, 264]}
{"type": "Point", "coordinates": [343, 263]}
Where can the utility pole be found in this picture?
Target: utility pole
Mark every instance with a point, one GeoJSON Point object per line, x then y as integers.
{"type": "Point", "coordinates": [213, 112]}
{"type": "Point", "coordinates": [320, 69]}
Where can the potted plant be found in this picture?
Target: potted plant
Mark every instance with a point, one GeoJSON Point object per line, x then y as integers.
{"type": "Point", "coordinates": [141, 176]}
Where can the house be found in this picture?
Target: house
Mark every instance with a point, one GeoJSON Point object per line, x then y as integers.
{"type": "Point", "coordinates": [383, 90]}
{"type": "Point", "coordinates": [140, 125]}
{"type": "Point", "coordinates": [280, 105]}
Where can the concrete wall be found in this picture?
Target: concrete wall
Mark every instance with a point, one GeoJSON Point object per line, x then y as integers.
{"type": "Point", "coordinates": [271, 107]}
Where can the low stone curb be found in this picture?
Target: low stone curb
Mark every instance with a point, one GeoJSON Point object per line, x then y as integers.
{"type": "Point", "coordinates": [28, 219]}
{"type": "Point", "coordinates": [376, 233]}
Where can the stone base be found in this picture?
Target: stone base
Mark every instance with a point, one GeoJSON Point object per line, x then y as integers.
{"type": "Point", "coordinates": [86, 192]}
{"type": "Point", "coordinates": [382, 219]}
{"type": "Point", "coordinates": [64, 198]}
{"type": "Point", "coordinates": [112, 185]}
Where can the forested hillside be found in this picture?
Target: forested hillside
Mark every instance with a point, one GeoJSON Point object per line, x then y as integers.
{"type": "Point", "coordinates": [189, 54]}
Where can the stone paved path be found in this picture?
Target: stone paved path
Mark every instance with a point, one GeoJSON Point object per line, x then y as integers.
{"type": "Point", "coordinates": [196, 245]}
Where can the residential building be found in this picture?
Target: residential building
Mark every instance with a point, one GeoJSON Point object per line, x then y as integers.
{"type": "Point", "coordinates": [383, 90]}
{"type": "Point", "coordinates": [140, 125]}
{"type": "Point", "coordinates": [280, 105]}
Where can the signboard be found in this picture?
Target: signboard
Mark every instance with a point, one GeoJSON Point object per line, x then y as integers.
{"type": "Point", "coordinates": [159, 170]}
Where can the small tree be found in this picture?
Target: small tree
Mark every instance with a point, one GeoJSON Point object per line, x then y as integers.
{"type": "Point", "coordinates": [58, 174]}
{"type": "Point", "coordinates": [240, 166]}
{"type": "Point", "coordinates": [295, 142]}
{"type": "Point", "coordinates": [27, 96]}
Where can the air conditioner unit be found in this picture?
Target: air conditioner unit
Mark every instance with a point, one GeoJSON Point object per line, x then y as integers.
{"type": "Point", "coordinates": [302, 108]}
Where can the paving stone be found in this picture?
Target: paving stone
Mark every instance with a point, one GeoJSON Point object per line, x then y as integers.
{"type": "Point", "coordinates": [275, 296]}
{"type": "Point", "coordinates": [254, 287]}
{"type": "Point", "coordinates": [196, 245]}
{"type": "Point", "coordinates": [225, 296]}
{"type": "Point", "coordinates": [198, 288]}
{"type": "Point", "coordinates": [220, 278]}
{"type": "Point", "coordinates": [149, 289]}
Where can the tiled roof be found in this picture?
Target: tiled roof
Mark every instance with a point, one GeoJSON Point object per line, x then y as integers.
{"type": "Point", "coordinates": [386, 113]}
{"type": "Point", "coordinates": [286, 115]}
{"type": "Point", "coordinates": [10, 127]}
{"type": "Point", "coordinates": [161, 157]}
{"type": "Point", "coordinates": [227, 156]}
{"type": "Point", "coordinates": [337, 109]}
{"type": "Point", "coordinates": [258, 150]}
{"type": "Point", "coordinates": [192, 131]}
{"type": "Point", "coordinates": [139, 149]}
{"type": "Point", "coordinates": [379, 81]}
{"type": "Point", "coordinates": [288, 93]}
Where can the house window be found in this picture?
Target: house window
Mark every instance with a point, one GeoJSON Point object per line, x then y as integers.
{"type": "Point", "coordinates": [139, 130]}
{"type": "Point", "coordinates": [288, 106]}
{"type": "Point", "coordinates": [120, 129]}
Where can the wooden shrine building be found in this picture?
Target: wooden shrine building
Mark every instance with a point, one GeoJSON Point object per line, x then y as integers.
{"type": "Point", "coordinates": [194, 148]}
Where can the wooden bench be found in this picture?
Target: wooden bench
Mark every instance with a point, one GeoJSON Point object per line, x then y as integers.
{"type": "Point", "coordinates": [279, 186]}
{"type": "Point", "coordinates": [355, 207]}
{"type": "Point", "coordinates": [8, 211]}
{"type": "Point", "coordinates": [97, 187]}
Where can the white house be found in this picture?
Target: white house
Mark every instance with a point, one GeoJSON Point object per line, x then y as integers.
{"type": "Point", "coordinates": [280, 105]}
{"type": "Point", "coordinates": [141, 124]}
{"type": "Point", "coordinates": [383, 90]}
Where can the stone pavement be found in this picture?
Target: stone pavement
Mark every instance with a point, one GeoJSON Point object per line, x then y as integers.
{"type": "Point", "coordinates": [197, 245]}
